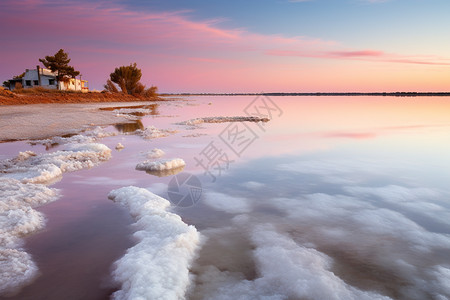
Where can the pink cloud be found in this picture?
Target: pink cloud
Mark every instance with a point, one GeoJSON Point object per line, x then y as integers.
{"type": "Point", "coordinates": [364, 55]}
{"type": "Point", "coordinates": [361, 53]}
{"type": "Point", "coordinates": [175, 52]}
{"type": "Point", "coordinates": [105, 35]}
{"type": "Point", "coordinates": [350, 135]}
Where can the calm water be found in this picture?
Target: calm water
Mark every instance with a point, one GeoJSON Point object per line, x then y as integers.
{"type": "Point", "coordinates": [354, 190]}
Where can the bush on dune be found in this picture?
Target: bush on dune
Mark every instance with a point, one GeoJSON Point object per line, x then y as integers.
{"type": "Point", "coordinates": [127, 78]}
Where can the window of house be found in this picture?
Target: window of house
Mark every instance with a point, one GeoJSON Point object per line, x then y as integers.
{"type": "Point", "coordinates": [28, 82]}
{"type": "Point", "coordinates": [36, 82]}
{"type": "Point", "coordinates": [51, 82]}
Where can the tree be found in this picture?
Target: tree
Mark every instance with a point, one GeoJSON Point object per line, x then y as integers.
{"type": "Point", "coordinates": [19, 76]}
{"type": "Point", "coordinates": [127, 78]}
{"type": "Point", "coordinates": [59, 63]}
{"type": "Point", "coordinates": [110, 87]}
{"type": "Point", "coordinates": [6, 84]}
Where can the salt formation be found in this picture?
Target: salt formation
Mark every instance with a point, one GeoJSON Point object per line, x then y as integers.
{"type": "Point", "coordinates": [152, 132]}
{"type": "Point", "coordinates": [17, 268]}
{"type": "Point", "coordinates": [133, 113]}
{"type": "Point", "coordinates": [99, 132]}
{"type": "Point", "coordinates": [89, 136]}
{"type": "Point", "coordinates": [48, 167]}
{"type": "Point", "coordinates": [357, 239]}
{"type": "Point", "coordinates": [160, 165]}
{"type": "Point", "coordinates": [157, 267]}
{"type": "Point", "coordinates": [223, 120]}
{"type": "Point", "coordinates": [17, 219]}
{"type": "Point", "coordinates": [20, 193]}
{"type": "Point", "coordinates": [155, 153]}
{"type": "Point", "coordinates": [58, 140]}
{"type": "Point", "coordinates": [119, 146]}
{"type": "Point", "coordinates": [285, 270]}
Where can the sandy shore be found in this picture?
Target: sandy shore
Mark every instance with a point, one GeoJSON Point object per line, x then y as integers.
{"type": "Point", "coordinates": [20, 122]}
{"type": "Point", "coordinates": [69, 113]}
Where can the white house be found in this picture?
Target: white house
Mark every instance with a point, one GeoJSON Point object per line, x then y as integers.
{"type": "Point", "coordinates": [47, 79]}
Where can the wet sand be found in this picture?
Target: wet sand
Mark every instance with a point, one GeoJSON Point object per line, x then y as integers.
{"type": "Point", "coordinates": [38, 121]}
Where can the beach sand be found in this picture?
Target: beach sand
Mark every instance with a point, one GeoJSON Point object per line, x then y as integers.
{"type": "Point", "coordinates": [37, 121]}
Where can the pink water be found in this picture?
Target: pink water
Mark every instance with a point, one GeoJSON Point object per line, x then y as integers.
{"type": "Point", "coordinates": [384, 141]}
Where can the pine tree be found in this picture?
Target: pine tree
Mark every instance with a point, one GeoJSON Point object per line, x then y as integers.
{"type": "Point", "coordinates": [59, 63]}
{"type": "Point", "coordinates": [127, 78]}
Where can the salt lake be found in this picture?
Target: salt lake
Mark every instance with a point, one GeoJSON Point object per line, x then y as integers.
{"type": "Point", "coordinates": [332, 198]}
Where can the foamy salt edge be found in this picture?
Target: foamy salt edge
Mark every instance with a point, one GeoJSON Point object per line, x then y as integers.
{"type": "Point", "coordinates": [157, 267]}
{"type": "Point", "coordinates": [91, 135]}
{"type": "Point", "coordinates": [28, 167]}
{"type": "Point", "coordinates": [152, 132]}
{"type": "Point", "coordinates": [17, 219]}
{"type": "Point", "coordinates": [22, 189]}
{"type": "Point", "coordinates": [161, 165]}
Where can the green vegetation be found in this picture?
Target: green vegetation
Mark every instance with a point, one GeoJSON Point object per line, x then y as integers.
{"type": "Point", "coordinates": [59, 63]}
{"type": "Point", "coordinates": [127, 78]}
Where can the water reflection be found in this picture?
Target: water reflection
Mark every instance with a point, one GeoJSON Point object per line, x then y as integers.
{"type": "Point", "coordinates": [165, 173]}
{"type": "Point", "coordinates": [137, 110]}
{"type": "Point", "coordinates": [348, 196]}
{"type": "Point", "coordinates": [129, 127]}
{"type": "Point", "coordinates": [364, 216]}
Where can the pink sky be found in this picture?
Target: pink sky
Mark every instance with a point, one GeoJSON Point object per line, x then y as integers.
{"type": "Point", "coordinates": [179, 54]}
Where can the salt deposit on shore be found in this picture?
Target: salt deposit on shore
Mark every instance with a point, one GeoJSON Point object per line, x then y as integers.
{"type": "Point", "coordinates": [152, 132]}
{"type": "Point", "coordinates": [17, 219]}
{"type": "Point", "coordinates": [223, 120]}
{"type": "Point", "coordinates": [157, 267]}
{"type": "Point", "coordinates": [91, 135]}
{"type": "Point", "coordinates": [160, 165]}
{"type": "Point", "coordinates": [29, 167]}
{"type": "Point", "coordinates": [22, 189]}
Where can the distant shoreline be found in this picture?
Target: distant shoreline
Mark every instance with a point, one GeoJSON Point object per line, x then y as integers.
{"type": "Point", "coordinates": [395, 94]}
{"type": "Point", "coordinates": [9, 98]}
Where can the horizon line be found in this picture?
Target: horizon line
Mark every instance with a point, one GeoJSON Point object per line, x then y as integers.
{"type": "Point", "coordinates": [407, 94]}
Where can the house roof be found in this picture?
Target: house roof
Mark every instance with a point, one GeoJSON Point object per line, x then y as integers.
{"type": "Point", "coordinates": [42, 72]}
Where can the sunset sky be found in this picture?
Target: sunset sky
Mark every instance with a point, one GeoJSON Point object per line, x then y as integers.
{"type": "Point", "coordinates": [238, 46]}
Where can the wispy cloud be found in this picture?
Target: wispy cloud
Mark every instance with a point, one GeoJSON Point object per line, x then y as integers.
{"type": "Point", "coordinates": [365, 55]}
{"type": "Point", "coordinates": [360, 53]}
{"type": "Point", "coordinates": [170, 45]}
